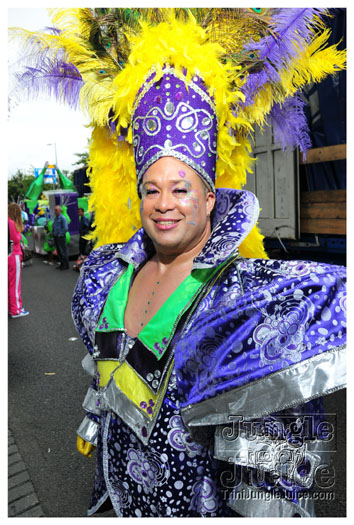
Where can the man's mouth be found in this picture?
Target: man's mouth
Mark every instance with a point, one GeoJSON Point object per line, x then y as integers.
{"type": "Point", "coordinates": [166, 224]}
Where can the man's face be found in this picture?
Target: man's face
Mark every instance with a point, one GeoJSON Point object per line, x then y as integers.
{"type": "Point", "coordinates": [175, 206]}
{"type": "Point", "coordinates": [57, 210]}
{"type": "Point", "coordinates": [81, 213]}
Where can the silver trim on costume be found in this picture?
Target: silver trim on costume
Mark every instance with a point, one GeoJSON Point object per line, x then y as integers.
{"type": "Point", "coordinates": [92, 401]}
{"type": "Point", "coordinates": [252, 502]}
{"type": "Point", "coordinates": [105, 462]}
{"type": "Point", "coordinates": [301, 382]}
{"type": "Point", "coordinates": [273, 455]}
{"type": "Point", "coordinates": [88, 431]}
{"type": "Point", "coordinates": [89, 365]}
{"type": "Point", "coordinates": [136, 419]}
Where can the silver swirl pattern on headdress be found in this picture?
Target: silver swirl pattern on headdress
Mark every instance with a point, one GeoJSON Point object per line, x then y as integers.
{"type": "Point", "coordinates": [172, 118]}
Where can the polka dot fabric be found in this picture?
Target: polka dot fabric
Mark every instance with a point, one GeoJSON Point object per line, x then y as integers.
{"type": "Point", "coordinates": [172, 476]}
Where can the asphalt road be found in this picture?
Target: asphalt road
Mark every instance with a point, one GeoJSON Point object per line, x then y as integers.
{"type": "Point", "coordinates": [47, 386]}
{"type": "Point", "coordinates": [45, 410]}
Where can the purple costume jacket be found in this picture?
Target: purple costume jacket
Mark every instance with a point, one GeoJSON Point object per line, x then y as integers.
{"type": "Point", "coordinates": [259, 343]}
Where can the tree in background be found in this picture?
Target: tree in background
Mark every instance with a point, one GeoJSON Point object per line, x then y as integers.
{"type": "Point", "coordinates": [18, 185]}
{"type": "Point", "coordinates": [82, 159]}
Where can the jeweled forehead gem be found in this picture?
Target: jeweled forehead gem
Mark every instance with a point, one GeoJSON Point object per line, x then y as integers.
{"type": "Point", "coordinates": [151, 124]}
{"type": "Point", "coordinates": [206, 121]}
{"type": "Point", "coordinates": [168, 143]}
{"type": "Point", "coordinates": [169, 108]}
{"type": "Point", "coordinates": [204, 134]}
{"type": "Point", "coordinates": [187, 122]}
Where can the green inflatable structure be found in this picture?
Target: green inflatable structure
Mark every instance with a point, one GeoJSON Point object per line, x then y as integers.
{"type": "Point", "coordinates": [36, 188]}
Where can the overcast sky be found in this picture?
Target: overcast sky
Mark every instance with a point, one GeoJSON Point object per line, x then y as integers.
{"type": "Point", "coordinates": [34, 124]}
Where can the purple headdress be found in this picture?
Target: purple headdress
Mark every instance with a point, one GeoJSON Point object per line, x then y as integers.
{"type": "Point", "coordinates": [173, 119]}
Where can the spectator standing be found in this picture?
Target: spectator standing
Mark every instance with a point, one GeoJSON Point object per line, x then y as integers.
{"type": "Point", "coordinates": [14, 259]}
{"type": "Point", "coordinates": [84, 230]}
{"type": "Point", "coordinates": [60, 227]}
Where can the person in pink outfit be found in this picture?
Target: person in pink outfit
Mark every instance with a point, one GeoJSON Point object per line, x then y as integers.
{"type": "Point", "coordinates": [14, 262]}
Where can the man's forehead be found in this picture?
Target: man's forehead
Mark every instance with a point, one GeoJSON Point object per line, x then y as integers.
{"type": "Point", "coordinates": [153, 180]}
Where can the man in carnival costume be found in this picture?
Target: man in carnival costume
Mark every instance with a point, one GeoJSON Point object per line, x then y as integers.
{"type": "Point", "coordinates": [205, 354]}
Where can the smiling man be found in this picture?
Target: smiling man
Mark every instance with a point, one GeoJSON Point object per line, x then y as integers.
{"type": "Point", "coordinates": [190, 341]}
{"type": "Point", "coordinates": [175, 214]}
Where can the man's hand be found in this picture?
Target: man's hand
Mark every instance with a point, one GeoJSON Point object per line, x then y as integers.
{"type": "Point", "coordinates": [84, 447]}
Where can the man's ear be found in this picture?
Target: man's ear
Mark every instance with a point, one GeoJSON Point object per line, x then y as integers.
{"type": "Point", "coordinates": [210, 202]}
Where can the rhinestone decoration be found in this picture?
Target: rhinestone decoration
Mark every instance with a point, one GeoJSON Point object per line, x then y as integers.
{"type": "Point", "coordinates": [151, 125]}
{"type": "Point", "coordinates": [150, 377]}
{"type": "Point", "coordinates": [169, 108]}
{"type": "Point", "coordinates": [187, 123]}
{"type": "Point", "coordinates": [168, 144]}
{"type": "Point", "coordinates": [157, 373]}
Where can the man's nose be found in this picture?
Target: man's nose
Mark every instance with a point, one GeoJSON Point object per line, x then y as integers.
{"type": "Point", "coordinates": [164, 201]}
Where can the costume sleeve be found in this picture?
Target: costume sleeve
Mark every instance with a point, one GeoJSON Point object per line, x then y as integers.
{"type": "Point", "coordinates": [277, 461]}
{"type": "Point", "coordinates": [88, 428]}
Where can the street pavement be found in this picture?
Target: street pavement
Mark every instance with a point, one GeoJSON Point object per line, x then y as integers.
{"type": "Point", "coordinates": [46, 387]}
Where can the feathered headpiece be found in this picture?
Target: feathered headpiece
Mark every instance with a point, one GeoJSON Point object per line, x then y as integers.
{"type": "Point", "coordinates": [252, 62]}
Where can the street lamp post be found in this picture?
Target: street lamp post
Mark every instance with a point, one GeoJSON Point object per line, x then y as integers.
{"type": "Point", "coordinates": [56, 158]}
